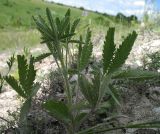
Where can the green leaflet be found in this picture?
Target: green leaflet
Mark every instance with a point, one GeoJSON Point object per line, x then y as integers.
{"type": "Point", "coordinates": [86, 52]}
{"type": "Point", "coordinates": [26, 72]}
{"type": "Point", "coordinates": [15, 85]}
{"type": "Point", "coordinates": [52, 23]}
{"type": "Point", "coordinates": [31, 74]}
{"type": "Point", "coordinates": [74, 25]}
{"type": "Point", "coordinates": [136, 74]}
{"type": "Point", "coordinates": [41, 57]}
{"type": "Point", "coordinates": [123, 51]}
{"type": "Point", "coordinates": [108, 49]}
{"type": "Point", "coordinates": [10, 62]}
{"type": "Point", "coordinates": [22, 70]}
{"type": "Point", "coordinates": [59, 110]}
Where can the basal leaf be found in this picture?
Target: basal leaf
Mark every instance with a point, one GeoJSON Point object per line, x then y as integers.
{"type": "Point", "coordinates": [59, 110]}
{"type": "Point", "coordinates": [88, 90]}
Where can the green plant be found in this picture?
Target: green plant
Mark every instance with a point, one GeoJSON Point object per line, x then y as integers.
{"type": "Point", "coordinates": [59, 34]}
{"type": "Point", "coordinates": [10, 62]}
{"type": "Point", "coordinates": [25, 87]}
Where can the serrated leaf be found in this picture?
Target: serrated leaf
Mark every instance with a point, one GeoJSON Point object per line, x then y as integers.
{"type": "Point", "coordinates": [64, 25]}
{"type": "Point", "coordinates": [123, 51]}
{"type": "Point", "coordinates": [15, 85]}
{"type": "Point", "coordinates": [22, 70]}
{"type": "Point", "coordinates": [10, 62]}
{"type": "Point", "coordinates": [136, 74]}
{"type": "Point", "coordinates": [58, 24]}
{"type": "Point", "coordinates": [86, 51]}
{"type": "Point", "coordinates": [44, 29]}
{"type": "Point", "coordinates": [74, 25]}
{"type": "Point", "coordinates": [31, 74]}
{"type": "Point", "coordinates": [41, 57]}
{"type": "Point", "coordinates": [108, 49]}
{"type": "Point", "coordinates": [52, 23]}
{"type": "Point", "coordinates": [59, 110]}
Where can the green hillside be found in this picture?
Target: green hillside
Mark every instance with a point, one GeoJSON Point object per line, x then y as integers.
{"type": "Point", "coordinates": [17, 28]}
{"type": "Point", "coordinates": [19, 12]}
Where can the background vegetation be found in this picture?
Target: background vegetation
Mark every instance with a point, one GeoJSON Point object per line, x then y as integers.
{"type": "Point", "coordinates": [18, 30]}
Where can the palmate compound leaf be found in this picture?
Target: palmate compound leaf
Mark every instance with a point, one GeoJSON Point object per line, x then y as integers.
{"type": "Point", "coordinates": [59, 110]}
{"type": "Point", "coordinates": [136, 74]}
{"type": "Point", "coordinates": [53, 32]}
{"type": "Point", "coordinates": [47, 33]}
{"type": "Point", "coordinates": [86, 51]}
{"type": "Point", "coordinates": [108, 49]}
{"type": "Point", "coordinates": [122, 52]}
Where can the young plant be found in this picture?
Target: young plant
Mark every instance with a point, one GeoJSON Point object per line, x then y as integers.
{"type": "Point", "coordinates": [58, 35]}
{"type": "Point", "coordinates": [25, 87]}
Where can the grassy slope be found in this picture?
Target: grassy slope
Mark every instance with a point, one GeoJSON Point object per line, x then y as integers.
{"type": "Point", "coordinates": [17, 26]}
{"type": "Point", "coordinates": [21, 11]}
